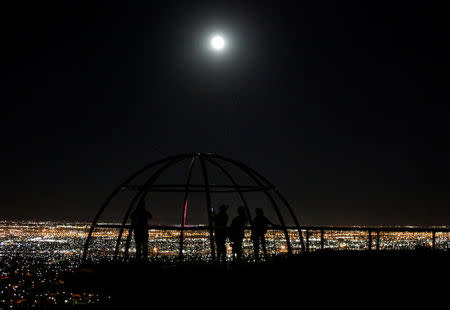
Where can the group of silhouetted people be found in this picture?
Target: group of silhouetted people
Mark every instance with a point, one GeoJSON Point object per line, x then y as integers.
{"type": "Point", "coordinates": [235, 232]}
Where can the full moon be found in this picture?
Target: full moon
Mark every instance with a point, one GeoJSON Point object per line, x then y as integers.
{"type": "Point", "coordinates": [217, 43]}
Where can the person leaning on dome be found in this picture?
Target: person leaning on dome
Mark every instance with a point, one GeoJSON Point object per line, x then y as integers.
{"type": "Point", "coordinates": [259, 228]}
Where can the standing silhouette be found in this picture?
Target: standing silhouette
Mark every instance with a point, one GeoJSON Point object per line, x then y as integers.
{"type": "Point", "coordinates": [139, 222]}
{"type": "Point", "coordinates": [220, 231]}
{"type": "Point", "coordinates": [237, 233]}
{"type": "Point", "coordinates": [259, 229]}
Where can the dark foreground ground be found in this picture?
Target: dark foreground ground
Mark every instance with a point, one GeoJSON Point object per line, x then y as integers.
{"type": "Point", "coordinates": [320, 280]}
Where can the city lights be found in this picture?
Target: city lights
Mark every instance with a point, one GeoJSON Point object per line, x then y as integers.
{"type": "Point", "coordinates": [34, 255]}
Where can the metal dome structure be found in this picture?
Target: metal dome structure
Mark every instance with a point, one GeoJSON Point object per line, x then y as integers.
{"type": "Point", "coordinates": [205, 160]}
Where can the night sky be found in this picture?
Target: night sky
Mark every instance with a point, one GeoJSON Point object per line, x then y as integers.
{"type": "Point", "coordinates": [344, 106]}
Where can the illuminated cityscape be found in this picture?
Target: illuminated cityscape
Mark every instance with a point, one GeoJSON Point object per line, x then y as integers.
{"type": "Point", "coordinates": [35, 255]}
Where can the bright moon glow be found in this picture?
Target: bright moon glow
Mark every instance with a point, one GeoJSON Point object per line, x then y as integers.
{"type": "Point", "coordinates": [217, 43]}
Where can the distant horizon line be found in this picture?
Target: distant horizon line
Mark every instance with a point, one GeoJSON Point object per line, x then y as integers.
{"type": "Point", "coordinates": [86, 222]}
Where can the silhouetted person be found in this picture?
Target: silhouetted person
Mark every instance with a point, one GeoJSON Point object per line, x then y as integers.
{"type": "Point", "coordinates": [139, 222]}
{"type": "Point", "coordinates": [237, 233]}
{"type": "Point", "coordinates": [259, 228]}
{"type": "Point", "coordinates": [220, 231]}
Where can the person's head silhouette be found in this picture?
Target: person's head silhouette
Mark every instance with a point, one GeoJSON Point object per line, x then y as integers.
{"type": "Point", "coordinates": [259, 211]}
{"type": "Point", "coordinates": [223, 208]}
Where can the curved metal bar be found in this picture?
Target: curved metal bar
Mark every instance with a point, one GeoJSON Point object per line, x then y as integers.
{"type": "Point", "coordinates": [174, 188]}
{"type": "Point", "coordinates": [141, 194]}
{"type": "Point", "coordinates": [146, 188]}
{"type": "Point", "coordinates": [208, 207]}
{"type": "Point", "coordinates": [249, 172]}
{"type": "Point", "coordinates": [285, 202]}
{"type": "Point", "coordinates": [226, 191]}
{"type": "Point", "coordinates": [294, 217]}
{"type": "Point", "coordinates": [235, 185]}
{"type": "Point", "coordinates": [185, 202]}
{"type": "Point", "coordinates": [244, 202]}
{"type": "Point", "coordinates": [112, 195]}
